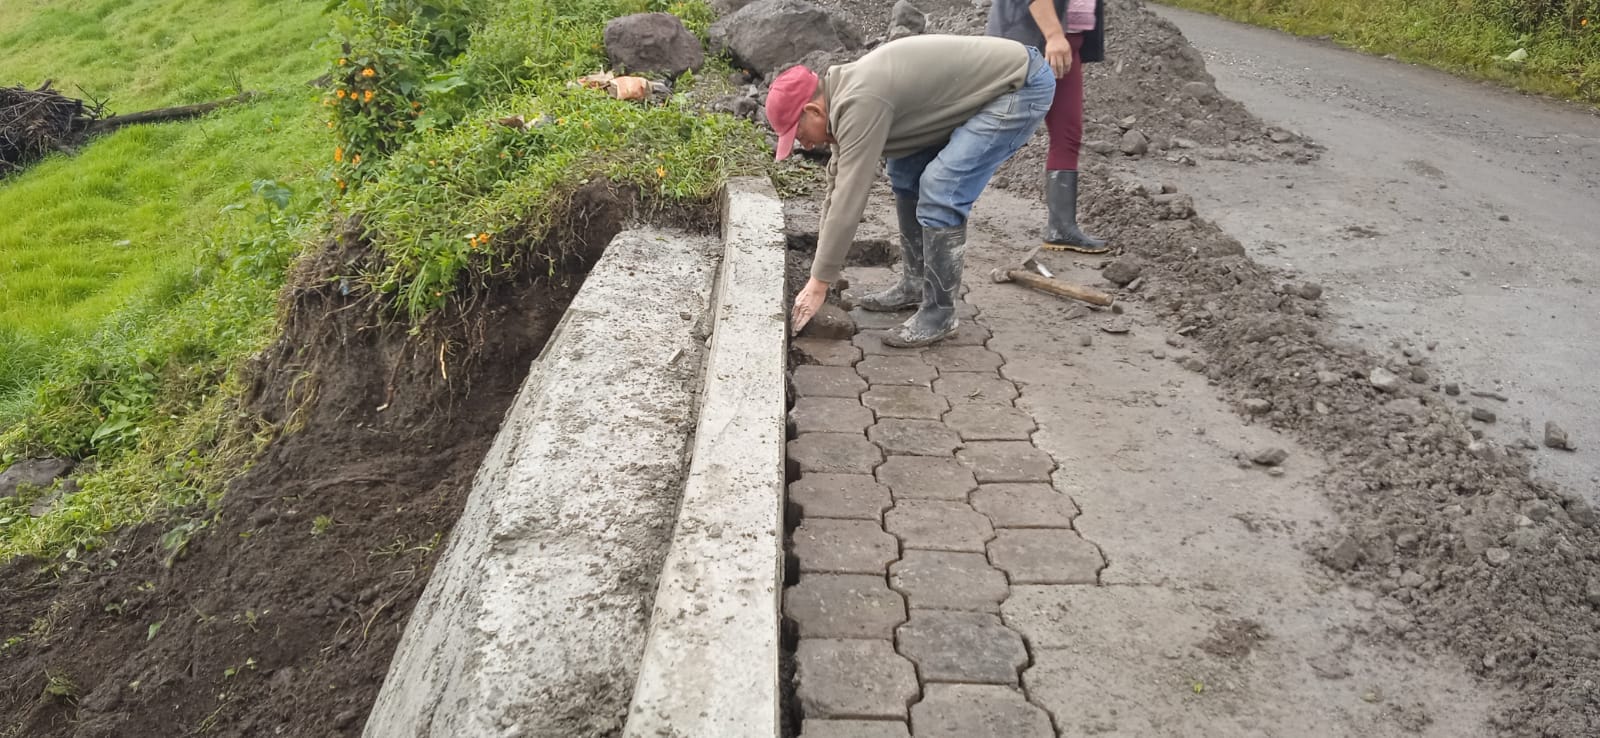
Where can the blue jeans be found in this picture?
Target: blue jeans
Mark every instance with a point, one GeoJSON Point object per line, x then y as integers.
{"type": "Point", "coordinates": [946, 180]}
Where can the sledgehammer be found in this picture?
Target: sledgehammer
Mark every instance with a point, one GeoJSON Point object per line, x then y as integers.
{"type": "Point", "coordinates": [1046, 282]}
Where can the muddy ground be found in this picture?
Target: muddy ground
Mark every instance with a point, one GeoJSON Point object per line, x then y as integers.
{"type": "Point", "coordinates": [281, 617]}
{"type": "Point", "coordinates": [1467, 554]}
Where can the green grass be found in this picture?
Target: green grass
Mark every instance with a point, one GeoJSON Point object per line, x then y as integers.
{"type": "Point", "coordinates": [1468, 37]}
{"type": "Point", "coordinates": [140, 274]}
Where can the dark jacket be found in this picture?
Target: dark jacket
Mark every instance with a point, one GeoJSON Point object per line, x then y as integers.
{"type": "Point", "coordinates": [1011, 19]}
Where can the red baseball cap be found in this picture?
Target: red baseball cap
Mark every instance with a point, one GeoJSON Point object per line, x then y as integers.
{"type": "Point", "coordinates": [785, 100]}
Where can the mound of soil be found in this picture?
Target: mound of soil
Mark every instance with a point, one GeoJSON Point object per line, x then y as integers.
{"type": "Point", "coordinates": [283, 615]}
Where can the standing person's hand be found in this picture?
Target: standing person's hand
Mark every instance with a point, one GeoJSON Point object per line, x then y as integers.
{"type": "Point", "coordinates": [807, 302]}
{"type": "Point", "coordinates": [1059, 53]}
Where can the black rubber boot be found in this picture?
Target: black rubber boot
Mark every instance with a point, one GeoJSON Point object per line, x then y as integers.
{"type": "Point", "coordinates": [1061, 231]}
{"type": "Point", "coordinates": [908, 293]}
{"type": "Point", "coordinates": [944, 253]}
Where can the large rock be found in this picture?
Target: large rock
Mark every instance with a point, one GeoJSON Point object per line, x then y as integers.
{"type": "Point", "coordinates": [906, 19]}
{"type": "Point", "coordinates": [652, 43]}
{"type": "Point", "coordinates": [768, 35]}
{"type": "Point", "coordinates": [32, 473]}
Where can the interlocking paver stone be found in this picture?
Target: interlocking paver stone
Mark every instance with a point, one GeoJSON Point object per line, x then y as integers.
{"type": "Point", "coordinates": [900, 370]}
{"type": "Point", "coordinates": [969, 333]}
{"type": "Point", "coordinates": [906, 402]}
{"type": "Point", "coordinates": [965, 647]}
{"type": "Point", "coordinates": [949, 358]}
{"type": "Point", "coordinates": [871, 343]}
{"type": "Point", "coordinates": [835, 453]}
{"type": "Point", "coordinates": [869, 320]}
{"type": "Point", "coordinates": [840, 496]}
{"type": "Point", "coordinates": [827, 351]}
{"type": "Point", "coordinates": [1012, 505]}
{"type": "Point", "coordinates": [977, 711]}
{"type": "Point", "coordinates": [828, 381]}
{"type": "Point", "coordinates": [926, 477]}
{"type": "Point", "coordinates": [982, 422]}
{"type": "Point", "coordinates": [938, 525]}
{"type": "Point", "coordinates": [829, 415]}
{"type": "Point", "coordinates": [853, 679]}
{"type": "Point", "coordinates": [854, 729]}
{"type": "Point", "coordinates": [914, 437]}
{"type": "Point", "coordinates": [1039, 556]}
{"type": "Point", "coordinates": [945, 580]}
{"type": "Point", "coordinates": [981, 387]}
{"type": "Point", "coordinates": [844, 547]}
{"type": "Point", "coordinates": [1007, 461]}
{"type": "Point", "coordinates": [965, 311]}
{"type": "Point", "coordinates": [844, 606]}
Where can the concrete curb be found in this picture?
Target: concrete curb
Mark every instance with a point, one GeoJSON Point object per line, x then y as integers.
{"type": "Point", "coordinates": [535, 616]}
{"type": "Point", "coordinates": [710, 668]}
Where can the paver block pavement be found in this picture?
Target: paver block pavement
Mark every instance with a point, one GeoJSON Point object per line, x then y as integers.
{"type": "Point", "coordinates": [938, 525]}
{"type": "Point", "coordinates": [977, 711]}
{"type": "Point", "coordinates": [1040, 556]}
{"type": "Point", "coordinates": [853, 729]}
{"type": "Point", "coordinates": [964, 647]}
{"type": "Point", "coordinates": [871, 343]}
{"type": "Point", "coordinates": [981, 387]}
{"type": "Point", "coordinates": [1007, 461]}
{"type": "Point", "coordinates": [982, 422]}
{"type": "Point", "coordinates": [844, 606]}
{"type": "Point", "coordinates": [857, 496]}
{"type": "Point", "coordinates": [1026, 505]}
{"type": "Point", "coordinates": [951, 358]}
{"type": "Point", "coordinates": [968, 333]}
{"type": "Point", "coordinates": [946, 580]}
{"type": "Point", "coordinates": [926, 477]}
{"type": "Point", "coordinates": [834, 453]}
{"type": "Point", "coordinates": [828, 381]}
{"type": "Point", "coordinates": [870, 320]}
{"type": "Point", "coordinates": [914, 437]}
{"type": "Point", "coordinates": [853, 679]}
{"type": "Point", "coordinates": [897, 370]}
{"type": "Point", "coordinates": [830, 415]}
{"type": "Point", "coordinates": [844, 547]}
{"type": "Point", "coordinates": [826, 351]}
{"type": "Point", "coordinates": [906, 402]}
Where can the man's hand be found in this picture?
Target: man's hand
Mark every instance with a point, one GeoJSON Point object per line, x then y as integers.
{"type": "Point", "coordinates": [1059, 53]}
{"type": "Point", "coordinates": [806, 303]}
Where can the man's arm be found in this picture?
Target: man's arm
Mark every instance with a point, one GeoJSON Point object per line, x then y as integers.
{"type": "Point", "coordinates": [863, 128]}
{"type": "Point", "coordinates": [1056, 49]}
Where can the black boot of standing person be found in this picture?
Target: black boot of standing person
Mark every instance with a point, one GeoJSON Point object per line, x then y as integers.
{"type": "Point", "coordinates": [1061, 231]}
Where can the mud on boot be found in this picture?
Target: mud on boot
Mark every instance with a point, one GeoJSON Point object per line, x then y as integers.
{"type": "Point", "coordinates": [908, 292]}
{"type": "Point", "coordinates": [944, 253]}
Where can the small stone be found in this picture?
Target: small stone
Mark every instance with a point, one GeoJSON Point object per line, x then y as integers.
{"type": "Point", "coordinates": [1496, 556]}
{"type": "Point", "coordinates": [1270, 457]}
{"type": "Point", "coordinates": [1116, 327]}
{"type": "Point", "coordinates": [830, 321]}
{"type": "Point", "coordinates": [1122, 271]}
{"type": "Point", "coordinates": [1327, 378]}
{"type": "Point", "coordinates": [1452, 389]}
{"type": "Point", "coordinates": [1383, 379]}
{"type": "Point", "coordinates": [906, 19]}
{"type": "Point", "coordinates": [1193, 363]}
{"type": "Point", "coordinates": [964, 647]}
{"type": "Point", "coordinates": [1419, 375]}
{"type": "Point", "coordinates": [1309, 291]}
{"type": "Point", "coordinates": [1411, 580]}
{"type": "Point", "coordinates": [1127, 122]}
{"type": "Point", "coordinates": [1555, 437]}
{"type": "Point", "coordinates": [844, 606]}
{"type": "Point", "coordinates": [1592, 593]}
{"type": "Point", "coordinates": [1504, 217]}
{"type": "Point", "coordinates": [1406, 406]}
{"type": "Point", "coordinates": [853, 679]}
{"type": "Point", "coordinates": [1483, 415]}
{"type": "Point", "coordinates": [1086, 340]}
{"type": "Point", "coordinates": [1580, 511]}
{"type": "Point", "coordinates": [1135, 143]}
{"type": "Point", "coordinates": [1257, 406]}
{"type": "Point", "coordinates": [1343, 555]}
{"type": "Point", "coordinates": [1485, 451]}
{"type": "Point", "coordinates": [1278, 135]}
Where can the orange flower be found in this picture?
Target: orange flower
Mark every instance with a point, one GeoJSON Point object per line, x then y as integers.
{"type": "Point", "coordinates": [368, 72]}
{"type": "Point", "coordinates": [341, 94]}
{"type": "Point", "coordinates": [416, 105]}
{"type": "Point", "coordinates": [369, 96]}
{"type": "Point", "coordinates": [330, 124]}
{"type": "Point", "coordinates": [1584, 22]}
{"type": "Point", "coordinates": [661, 172]}
{"type": "Point", "coordinates": [356, 160]}
{"type": "Point", "coordinates": [338, 153]}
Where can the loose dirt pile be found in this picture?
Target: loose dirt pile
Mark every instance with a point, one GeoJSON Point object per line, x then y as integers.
{"type": "Point", "coordinates": [283, 615]}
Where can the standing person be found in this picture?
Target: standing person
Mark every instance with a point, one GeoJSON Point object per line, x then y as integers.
{"type": "Point", "coordinates": [1071, 32]}
{"type": "Point", "coordinates": [946, 111]}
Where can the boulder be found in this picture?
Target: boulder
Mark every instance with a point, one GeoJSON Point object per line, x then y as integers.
{"type": "Point", "coordinates": [32, 473]}
{"type": "Point", "coordinates": [652, 43]}
{"type": "Point", "coordinates": [768, 35]}
{"type": "Point", "coordinates": [906, 20]}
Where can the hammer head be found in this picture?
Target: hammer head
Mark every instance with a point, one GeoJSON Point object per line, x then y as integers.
{"type": "Point", "coordinates": [1000, 275]}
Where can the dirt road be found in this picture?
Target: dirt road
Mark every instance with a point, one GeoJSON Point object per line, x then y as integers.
{"type": "Point", "coordinates": [1441, 211]}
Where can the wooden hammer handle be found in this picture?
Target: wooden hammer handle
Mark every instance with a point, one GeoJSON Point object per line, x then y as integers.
{"type": "Point", "coordinates": [1057, 287]}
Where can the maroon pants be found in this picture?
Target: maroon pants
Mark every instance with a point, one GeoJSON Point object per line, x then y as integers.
{"type": "Point", "coordinates": [1065, 119]}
